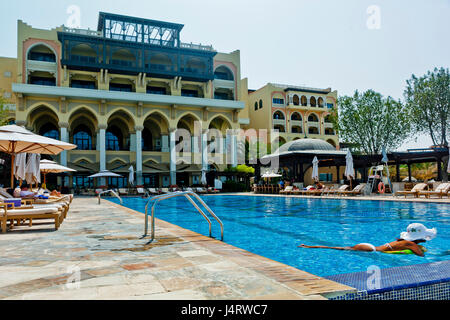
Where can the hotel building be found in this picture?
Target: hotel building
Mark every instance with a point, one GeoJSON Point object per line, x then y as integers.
{"type": "Point", "coordinates": [121, 92]}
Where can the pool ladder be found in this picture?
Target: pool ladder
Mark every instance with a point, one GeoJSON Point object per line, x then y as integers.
{"type": "Point", "coordinates": [113, 193]}
{"type": "Point", "coordinates": [187, 195]}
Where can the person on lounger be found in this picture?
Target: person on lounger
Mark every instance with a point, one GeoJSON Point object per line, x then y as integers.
{"type": "Point", "coordinates": [415, 233]}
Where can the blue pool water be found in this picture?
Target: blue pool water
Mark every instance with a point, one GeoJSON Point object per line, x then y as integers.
{"type": "Point", "coordinates": [273, 227]}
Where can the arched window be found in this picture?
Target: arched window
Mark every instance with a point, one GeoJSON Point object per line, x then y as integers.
{"type": "Point", "coordinates": [278, 115]}
{"type": "Point", "coordinates": [147, 140]}
{"type": "Point", "coordinates": [296, 117]}
{"type": "Point", "coordinates": [49, 130]}
{"type": "Point", "coordinates": [312, 102]}
{"type": "Point", "coordinates": [260, 104]}
{"type": "Point", "coordinates": [313, 130]}
{"type": "Point", "coordinates": [296, 100]}
{"type": "Point", "coordinates": [223, 73]}
{"type": "Point", "coordinates": [296, 129]}
{"type": "Point", "coordinates": [328, 119]}
{"type": "Point", "coordinates": [329, 131]}
{"type": "Point", "coordinates": [113, 139]}
{"type": "Point", "coordinates": [304, 101]}
{"type": "Point", "coordinates": [256, 106]}
{"type": "Point", "coordinates": [313, 118]}
{"type": "Point", "coordinates": [82, 139]}
{"type": "Point", "coordinates": [279, 127]}
{"type": "Point", "coordinates": [320, 102]}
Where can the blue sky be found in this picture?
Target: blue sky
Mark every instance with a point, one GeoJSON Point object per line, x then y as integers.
{"type": "Point", "coordinates": [316, 43]}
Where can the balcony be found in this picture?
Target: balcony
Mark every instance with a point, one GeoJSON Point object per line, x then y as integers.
{"type": "Point", "coordinates": [129, 45]}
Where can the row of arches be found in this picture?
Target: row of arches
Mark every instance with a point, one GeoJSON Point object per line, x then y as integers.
{"type": "Point", "coordinates": [299, 129]}
{"type": "Point", "coordinates": [296, 116]}
{"type": "Point", "coordinates": [120, 125]}
{"type": "Point", "coordinates": [303, 101]}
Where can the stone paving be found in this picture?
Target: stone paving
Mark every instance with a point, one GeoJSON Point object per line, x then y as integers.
{"type": "Point", "coordinates": [98, 253]}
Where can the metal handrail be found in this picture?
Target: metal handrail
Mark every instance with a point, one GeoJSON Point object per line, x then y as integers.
{"type": "Point", "coordinates": [187, 195]}
{"type": "Point", "coordinates": [113, 192]}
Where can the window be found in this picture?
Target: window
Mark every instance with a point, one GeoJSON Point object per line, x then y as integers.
{"type": "Point", "coordinates": [260, 104]}
{"type": "Point", "coordinates": [43, 81]}
{"type": "Point", "coordinates": [156, 90]}
{"type": "Point", "coordinates": [118, 182]}
{"type": "Point", "coordinates": [296, 117]}
{"type": "Point", "coordinates": [150, 180]}
{"type": "Point", "coordinates": [83, 140]}
{"type": "Point", "coordinates": [256, 106]}
{"type": "Point", "coordinates": [278, 101]}
{"type": "Point", "coordinates": [330, 105]}
{"type": "Point", "coordinates": [53, 134]}
{"type": "Point", "coordinates": [83, 84]}
{"type": "Point", "coordinates": [278, 115]}
{"type": "Point", "coordinates": [313, 118]}
{"type": "Point", "coordinates": [326, 177]}
{"type": "Point", "coordinates": [296, 129]}
{"type": "Point", "coordinates": [221, 96]}
{"type": "Point", "coordinates": [120, 87]}
{"type": "Point", "coordinates": [189, 93]}
{"type": "Point", "coordinates": [112, 141]}
{"type": "Point", "coordinates": [82, 181]}
{"type": "Point", "coordinates": [41, 56]}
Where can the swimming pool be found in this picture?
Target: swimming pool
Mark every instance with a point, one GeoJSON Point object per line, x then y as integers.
{"type": "Point", "coordinates": [273, 227]}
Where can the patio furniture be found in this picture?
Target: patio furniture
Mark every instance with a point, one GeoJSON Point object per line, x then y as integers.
{"type": "Point", "coordinates": [414, 191]}
{"type": "Point", "coordinates": [338, 190]}
{"type": "Point", "coordinates": [140, 190]}
{"type": "Point", "coordinates": [287, 190]}
{"type": "Point", "coordinates": [358, 190]}
{"type": "Point", "coordinates": [442, 190]}
{"type": "Point", "coordinates": [123, 191]}
{"type": "Point", "coordinates": [153, 191]}
{"type": "Point", "coordinates": [9, 213]}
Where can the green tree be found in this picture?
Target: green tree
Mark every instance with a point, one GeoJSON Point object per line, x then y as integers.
{"type": "Point", "coordinates": [370, 121]}
{"type": "Point", "coordinates": [428, 98]}
{"type": "Point", "coordinates": [4, 112]}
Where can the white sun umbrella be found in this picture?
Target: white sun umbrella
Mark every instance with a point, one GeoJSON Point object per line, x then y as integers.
{"type": "Point", "coordinates": [105, 174]}
{"type": "Point", "coordinates": [32, 171]}
{"type": "Point", "coordinates": [349, 170]}
{"type": "Point", "coordinates": [271, 175]}
{"type": "Point", "coordinates": [315, 171]}
{"type": "Point", "coordinates": [131, 175]}
{"type": "Point", "coordinates": [203, 180]}
{"type": "Point", "coordinates": [15, 139]}
{"type": "Point", "coordinates": [20, 163]}
{"type": "Point", "coordinates": [48, 166]}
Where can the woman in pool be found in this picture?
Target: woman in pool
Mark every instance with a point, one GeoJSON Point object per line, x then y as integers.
{"type": "Point", "coordinates": [415, 234]}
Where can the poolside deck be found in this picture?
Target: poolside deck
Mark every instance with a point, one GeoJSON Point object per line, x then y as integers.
{"type": "Point", "coordinates": [100, 246]}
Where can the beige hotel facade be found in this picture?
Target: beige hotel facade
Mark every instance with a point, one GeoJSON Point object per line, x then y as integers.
{"type": "Point", "coordinates": [122, 92]}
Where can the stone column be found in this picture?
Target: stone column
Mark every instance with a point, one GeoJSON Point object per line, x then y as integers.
{"type": "Point", "coordinates": [102, 149]}
{"type": "Point", "coordinates": [233, 150]}
{"type": "Point", "coordinates": [139, 154]}
{"type": "Point", "coordinates": [205, 149]}
{"type": "Point", "coordinates": [65, 138]}
{"type": "Point", "coordinates": [173, 158]}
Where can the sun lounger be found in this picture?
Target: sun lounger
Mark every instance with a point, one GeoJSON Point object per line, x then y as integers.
{"type": "Point", "coordinates": [202, 190]}
{"type": "Point", "coordinates": [338, 190]}
{"type": "Point", "coordinates": [153, 191]}
{"type": "Point", "coordinates": [123, 191]}
{"type": "Point", "coordinates": [165, 190]}
{"type": "Point", "coordinates": [287, 190]}
{"type": "Point", "coordinates": [212, 190]}
{"type": "Point", "coordinates": [356, 190]}
{"type": "Point", "coordinates": [140, 190]}
{"type": "Point", "coordinates": [442, 190]}
{"type": "Point", "coordinates": [414, 191]}
{"type": "Point", "coordinates": [8, 213]}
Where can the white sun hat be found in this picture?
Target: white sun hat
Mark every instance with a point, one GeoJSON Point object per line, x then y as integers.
{"type": "Point", "coordinates": [417, 231]}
